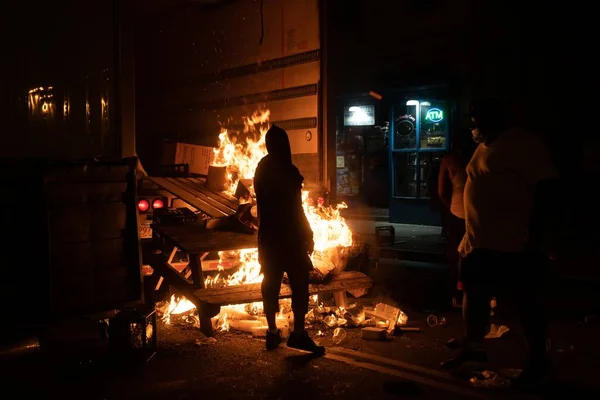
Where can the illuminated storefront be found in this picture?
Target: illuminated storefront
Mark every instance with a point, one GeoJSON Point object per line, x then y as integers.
{"type": "Point", "coordinates": [419, 140]}
{"type": "Point", "coordinates": [389, 153]}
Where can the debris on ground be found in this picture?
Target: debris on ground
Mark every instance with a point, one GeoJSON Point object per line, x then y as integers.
{"type": "Point", "coordinates": [387, 316]}
{"type": "Point", "coordinates": [489, 380]}
{"type": "Point", "coordinates": [408, 329]}
{"type": "Point", "coordinates": [371, 333]}
{"type": "Point", "coordinates": [205, 341]}
{"type": "Point", "coordinates": [339, 334]}
{"type": "Point", "coordinates": [434, 320]}
{"type": "Point", "coordinates": [497, 331]}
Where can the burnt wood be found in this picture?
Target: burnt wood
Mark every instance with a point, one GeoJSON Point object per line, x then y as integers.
{"type": "Point", "coordinates": [189, 198]}
{"type": "Point", "coordinates": [248, 293]}
{"type": "Point", "coordinates": [192, 188]}
{"type": "Point", "coordinates": [221, 197]}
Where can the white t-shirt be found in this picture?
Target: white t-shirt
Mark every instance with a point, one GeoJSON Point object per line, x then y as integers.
{"type": "Point", "coordinates": [457, 206]}
{"type": "Point", "coordinates": [498, 197]}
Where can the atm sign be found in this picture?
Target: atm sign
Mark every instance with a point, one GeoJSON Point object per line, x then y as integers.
{"type": "Point", "coordinates": [434, 115]}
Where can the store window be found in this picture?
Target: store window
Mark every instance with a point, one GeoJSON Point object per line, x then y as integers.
{"type": "Point", "coordinates": [419, 140]}
{"type": "Point", "coordinates": [358, 128]}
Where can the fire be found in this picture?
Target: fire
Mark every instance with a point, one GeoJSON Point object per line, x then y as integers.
{"type": "Point", "coordinates": [241, 158]}
{"type": "Point", "coordinates": [176, 307]}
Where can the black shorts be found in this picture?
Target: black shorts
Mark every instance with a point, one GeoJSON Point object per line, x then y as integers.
{"type": "Point", "coordinates": [284, 261]}
{"type": "Point", "coordinates": [501, 270]}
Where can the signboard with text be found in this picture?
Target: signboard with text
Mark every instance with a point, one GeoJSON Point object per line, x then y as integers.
{"type": "Point", "coordinates": [359, 116]}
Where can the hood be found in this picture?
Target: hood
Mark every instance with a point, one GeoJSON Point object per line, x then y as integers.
{"type": "Point", "coordinates": [278, 144]}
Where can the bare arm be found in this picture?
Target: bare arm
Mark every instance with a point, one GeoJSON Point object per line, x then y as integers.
{"type": "Point", "coordinates": [444, 184]}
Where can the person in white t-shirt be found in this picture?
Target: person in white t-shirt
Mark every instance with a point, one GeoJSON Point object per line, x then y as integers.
{"type": "Point", "coordinates": [503, 177]}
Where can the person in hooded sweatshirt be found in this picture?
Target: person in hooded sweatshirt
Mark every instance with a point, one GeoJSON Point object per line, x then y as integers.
{"type": "Point", "coordinates": [285, 239]}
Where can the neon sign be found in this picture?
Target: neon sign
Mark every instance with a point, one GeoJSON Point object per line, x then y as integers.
{"type": "Point", "coordinates": [434, 115]}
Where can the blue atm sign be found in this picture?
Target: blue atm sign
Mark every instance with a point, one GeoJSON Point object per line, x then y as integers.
{"type": "Point", "coordinates": [434, 115]}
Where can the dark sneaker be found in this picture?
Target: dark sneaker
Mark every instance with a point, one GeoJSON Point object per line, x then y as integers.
{"type": "Point", "coordinates": [302, 341]}
{"type": "Point", "coordinates": [273, 340]}
{"type": "Point", "coordinates": [464, 357]}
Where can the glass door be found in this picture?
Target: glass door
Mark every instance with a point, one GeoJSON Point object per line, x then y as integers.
{"type": "Point", "coordinates": [419, 140]}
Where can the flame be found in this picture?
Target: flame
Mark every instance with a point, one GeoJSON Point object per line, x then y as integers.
{"type": "Point", "coordinates": [176, 307]}
{"type": "Point", "coordinates": [240, 158]}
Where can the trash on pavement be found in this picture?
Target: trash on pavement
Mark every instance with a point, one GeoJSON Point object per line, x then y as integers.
{"type": "Point", "coordinates": [370, 333]}
{"type": "Point", "coordinates": [339, 335]}
{"type": "Point", "coordinates": [389, 314]}
{"type": "Point", "coordinates": [453, 343]}
{"type": "Point", "coordinates": [489, 380]}
{"type": "Point", "coordinates": [496, 331]}
{"type": "Point", "coordinates": [434, 321]}
{"type": "Point", "coordinates": [408, 329]}
{"type": "Point", "coordinates": [205, 341]}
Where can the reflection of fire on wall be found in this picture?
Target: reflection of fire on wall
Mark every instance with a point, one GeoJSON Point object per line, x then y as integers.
{"type": "Point", "coordinates": [104, 113]}
{"type": "Point", "coordinates": [41, 102]}
{"type": "Point", "coordinates": [88, 111]}
{"type": "Point", "coordinates": [104, 103]}
{"type": "Point", "coordinates": [66, 107]}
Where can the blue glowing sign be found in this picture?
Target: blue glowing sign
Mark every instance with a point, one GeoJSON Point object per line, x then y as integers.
{"type": "Point", "coordinates": [434, 115]}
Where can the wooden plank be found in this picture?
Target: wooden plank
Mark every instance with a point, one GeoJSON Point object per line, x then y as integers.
{"type": "Point", "coordinates": [201, 185]}
{"type": "Point", "coordinates": [219, 197]}
{"type": "Point", "coordinates": [182, 285]}
{"type": "Point", "coordinates": [251, 292]}
{"type": "Point", "coordinates": [194, 239]}
{"type": "Point", "coordinates": [192, 189]}
{"type": "Point", "coordinates": [187, 197]}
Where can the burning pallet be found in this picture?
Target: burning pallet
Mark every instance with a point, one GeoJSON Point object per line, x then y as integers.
{"type": "Point", "coordinates": [227, 198]}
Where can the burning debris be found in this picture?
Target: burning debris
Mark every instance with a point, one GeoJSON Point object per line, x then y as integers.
{"type": "Point", "coordinates": [237, 158]}
{"type": "Point", "coordinates": [377, 321]}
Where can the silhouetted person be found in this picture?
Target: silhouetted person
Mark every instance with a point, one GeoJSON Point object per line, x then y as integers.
{"type": "Point", "coordinates": [285, 239]}
{"type": "Point", "coordinates": [451, 185]}
{"type": "Point", "coordinates": [499, 249]}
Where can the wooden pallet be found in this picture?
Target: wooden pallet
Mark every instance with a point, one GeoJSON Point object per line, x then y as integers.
{"type": "Point", "coordinates": [193, 192]}
{"type": "Point", "coordinates": [249, 293]}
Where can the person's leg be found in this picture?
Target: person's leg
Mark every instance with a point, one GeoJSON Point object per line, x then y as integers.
{"type": "Point", "coordinates": [532, 316]}
{"type": "Point", "coordinates": [477, 294]}
{"type": "Point", "coordinates": [298, 274]}
{"type": "Point", "coordinates": [270, 287]}
{"type": "Point", "coordinates": [455, 235]}
{"type": "Point", "coordinates": [476, 315]}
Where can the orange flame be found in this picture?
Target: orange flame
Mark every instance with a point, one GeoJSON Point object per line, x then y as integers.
{"type": "Point", "coordinates": [241, 158]}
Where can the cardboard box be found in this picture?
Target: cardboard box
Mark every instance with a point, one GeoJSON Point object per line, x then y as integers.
{"type": "Point", "coordinates": [197, 157]}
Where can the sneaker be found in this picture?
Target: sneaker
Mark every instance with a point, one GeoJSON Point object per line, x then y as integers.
{"type": "Point", "coordinates": [273, 340]}
{"type": "Point", "coordinates": [463, 357]}
{"type": "Point", "coordinates": [301, 341]}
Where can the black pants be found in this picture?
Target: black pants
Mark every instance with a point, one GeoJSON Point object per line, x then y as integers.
{"type": "Point", "coordinates": [456, 231]}
{"type": "Point", "coordinates": [297, 268]}
{"type": "Point", "coordinates": [518, 276]}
